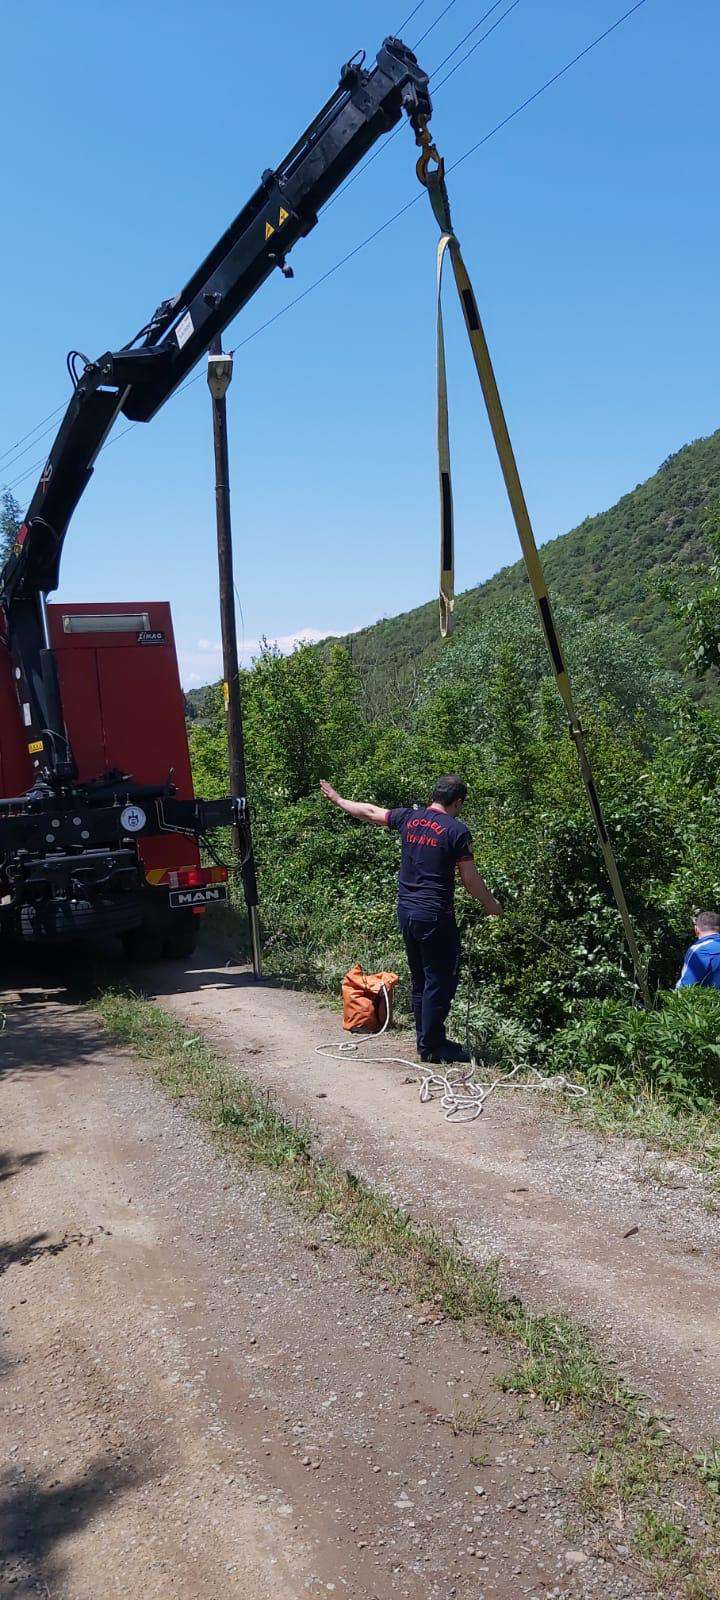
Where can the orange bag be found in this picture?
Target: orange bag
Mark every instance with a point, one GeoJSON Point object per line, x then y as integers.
{"type": "Point", "coordinates": [367, 1000]}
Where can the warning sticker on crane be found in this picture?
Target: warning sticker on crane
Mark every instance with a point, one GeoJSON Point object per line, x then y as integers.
{"type": "Point", "coordinates": [269, 230]}
{"type": "Point", "coordinates": [283, 216]}
{"type": "Point", "coordinates": [184, 329]}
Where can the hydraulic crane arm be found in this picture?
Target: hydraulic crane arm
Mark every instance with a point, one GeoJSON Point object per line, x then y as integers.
{"type": "Point", "coordinates": [138, 379]}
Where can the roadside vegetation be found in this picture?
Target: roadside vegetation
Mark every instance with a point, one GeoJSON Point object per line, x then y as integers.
{"type": "Point", "coordinates": [634, 1483]}
{"type": "Point", "coordinates": [549, 984]}
{"type": "Point", "coordinates": [607, 566]}
{"type": "Point", "coordinates": [10, 520]}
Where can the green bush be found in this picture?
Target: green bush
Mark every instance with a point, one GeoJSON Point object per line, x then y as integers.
{"type": "Point", "coordinates": [488, 708]}
{"type": "Point", "coordinates": [497, 1041]}
{"type": "Point", "coordinates": [673, 1051]}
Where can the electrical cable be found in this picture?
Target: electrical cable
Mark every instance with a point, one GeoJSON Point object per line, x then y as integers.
{"type": "Point", "coordinates": [399, 31]}
{"type": "Point", "coordinates": [71, 361]}
{"type": "Point", "coordinates": [39, 463]}
{"type": "Point", "coordinates": [33, 442]}
{"type": "Point", "coordinates": [402, 125]}
{"type": "Point", "coordinates": [473, 47]}
{"type": "Point", "coordinates": [434, 24]}
{"type": "Point", "coordinates": [31, 431]}
{"type": "Point", "coordinates": [464, 39]}
{"type": "Point", "coordinates": [395, 217]}
{"type": "Point", "coordinates": [547, 84]}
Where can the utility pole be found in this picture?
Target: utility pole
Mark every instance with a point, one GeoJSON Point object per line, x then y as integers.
{"type": "Point", "coordinates": [220, 368]}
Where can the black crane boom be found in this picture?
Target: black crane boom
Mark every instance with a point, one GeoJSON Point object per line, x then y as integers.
{"type": "Point", "coordinates": [139, 378]}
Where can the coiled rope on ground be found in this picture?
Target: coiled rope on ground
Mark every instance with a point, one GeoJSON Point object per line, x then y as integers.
{"type": "Point", "coordinates": [462, 1097]}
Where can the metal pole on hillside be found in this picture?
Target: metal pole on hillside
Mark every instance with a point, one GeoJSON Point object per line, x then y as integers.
{"type": "Point", "coordinates": [220, 368]}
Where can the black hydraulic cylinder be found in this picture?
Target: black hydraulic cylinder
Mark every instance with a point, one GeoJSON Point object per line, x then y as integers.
{"type": "Point", "coordinates": [63, 763]}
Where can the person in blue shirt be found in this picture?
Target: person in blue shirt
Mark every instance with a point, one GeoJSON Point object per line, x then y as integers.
{"type": "Point", "coordinates": [702, 962]}
{"type": "Point", "coordinates": [436, 846]}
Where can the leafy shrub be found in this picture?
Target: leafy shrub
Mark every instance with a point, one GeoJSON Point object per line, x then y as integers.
{"type": "Point", "coordinates": [497, 1041]}
{"type": "Point", "coordinates": [673, 1051]}
{"type": "Point", "coordinates": [489, 709]}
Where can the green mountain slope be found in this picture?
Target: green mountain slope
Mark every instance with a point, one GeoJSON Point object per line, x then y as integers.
{"type": "Point", "coordinates": [607, 564]}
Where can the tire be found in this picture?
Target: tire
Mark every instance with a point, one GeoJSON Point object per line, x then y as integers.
{"type": "Point", "coordinates": [141, 944]}
{"type": "Point", "coordinates": [181, 941]}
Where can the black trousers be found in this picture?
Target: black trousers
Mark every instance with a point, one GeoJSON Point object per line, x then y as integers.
{"type": "Point", "coordinates": [432, 945]}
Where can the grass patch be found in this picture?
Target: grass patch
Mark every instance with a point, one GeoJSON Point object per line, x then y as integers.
{"type": "Point", "coordinates": [665, 1497]}
{"type": "Point", "coordinates": [691, 1135]}
{"type": "Point", "coordinates": [561, 1365]}
{"type": "Point", "coordinates": [708, 1465]}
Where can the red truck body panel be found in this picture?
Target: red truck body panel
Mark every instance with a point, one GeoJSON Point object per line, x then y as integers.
{"type": "Point", "coordinates": [123, 706]}
{"type": "Point", "coordinates": [16, 773]}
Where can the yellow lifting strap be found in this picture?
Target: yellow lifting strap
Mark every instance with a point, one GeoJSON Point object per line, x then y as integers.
{"type": "Point", "coordinates": [434, 180]}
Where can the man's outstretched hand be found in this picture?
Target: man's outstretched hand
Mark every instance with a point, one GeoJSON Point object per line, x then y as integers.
{"type": "Point", "coordinates": [361, 810]}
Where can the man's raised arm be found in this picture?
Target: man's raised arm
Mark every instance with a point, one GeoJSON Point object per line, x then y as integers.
{"type": "Point", "coordinates": [361, 809]}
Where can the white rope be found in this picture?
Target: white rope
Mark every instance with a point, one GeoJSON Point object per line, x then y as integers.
{"type": "Point", "coordinates": [461, 1097]}
{"type": "Point", "coordinates": [386, 1023]}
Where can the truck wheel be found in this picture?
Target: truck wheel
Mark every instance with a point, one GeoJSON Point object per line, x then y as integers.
{"type": "Point", "coordinates": [141, 944]}
{"type": "Point", "coordinates": [181, 941]}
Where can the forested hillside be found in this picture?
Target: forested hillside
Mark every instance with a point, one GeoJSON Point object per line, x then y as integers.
{"type": "Point", "coordinates": [610, 564]}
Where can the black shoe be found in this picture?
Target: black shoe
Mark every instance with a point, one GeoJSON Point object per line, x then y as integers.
{"type": "Point", "coordinates": [449, 1051]}
{"type": "Point", "coordinates": [447, 1054]}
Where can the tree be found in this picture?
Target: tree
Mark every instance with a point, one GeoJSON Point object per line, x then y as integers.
{"type": "Point", "coordinates": [10, 520]}
{"type": "Point", "coordinates": [698, 612]}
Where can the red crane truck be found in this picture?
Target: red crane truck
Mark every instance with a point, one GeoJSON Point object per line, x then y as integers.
{"type": "Point", "coordinates": [100, 830]}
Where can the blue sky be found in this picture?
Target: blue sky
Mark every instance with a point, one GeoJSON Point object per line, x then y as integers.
{"type": "Point", "coordinates": [133, 134]}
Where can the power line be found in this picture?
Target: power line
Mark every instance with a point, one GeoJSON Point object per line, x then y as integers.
{"type": "Point", "coordinates": [547, 84]}
{"type": "Point", "coordinates": [27, 435]}
{"type": "Point", "coordinates": [464, 39]}
{"type": "Point", "coordinates": [473, 47]}
{"type": "Point", "coordinates": [290, 304]}
{"type": "Point", "coordinates": [403, 25]}
{"type": "Point", "coordinates": [434, 24]}
{"type": "Point", "coordinates": [401, 125]}
{"type": "Point", "coordinates": [33, 442]}
{"type": "Point", "coordinates": [26, 474]}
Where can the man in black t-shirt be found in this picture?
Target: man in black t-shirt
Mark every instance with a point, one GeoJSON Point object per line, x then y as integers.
{"type": "Point", "coordinates": [435, 846]}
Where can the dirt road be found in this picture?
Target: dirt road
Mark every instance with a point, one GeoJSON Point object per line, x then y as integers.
{"type": "Point", "coordinates": [586, 1224]}
{"type": "Point", "coordinates": [200, 1395]}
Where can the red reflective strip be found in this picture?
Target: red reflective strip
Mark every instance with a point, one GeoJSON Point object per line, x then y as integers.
{"type": "Point", "coordinates": [186, 877]}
